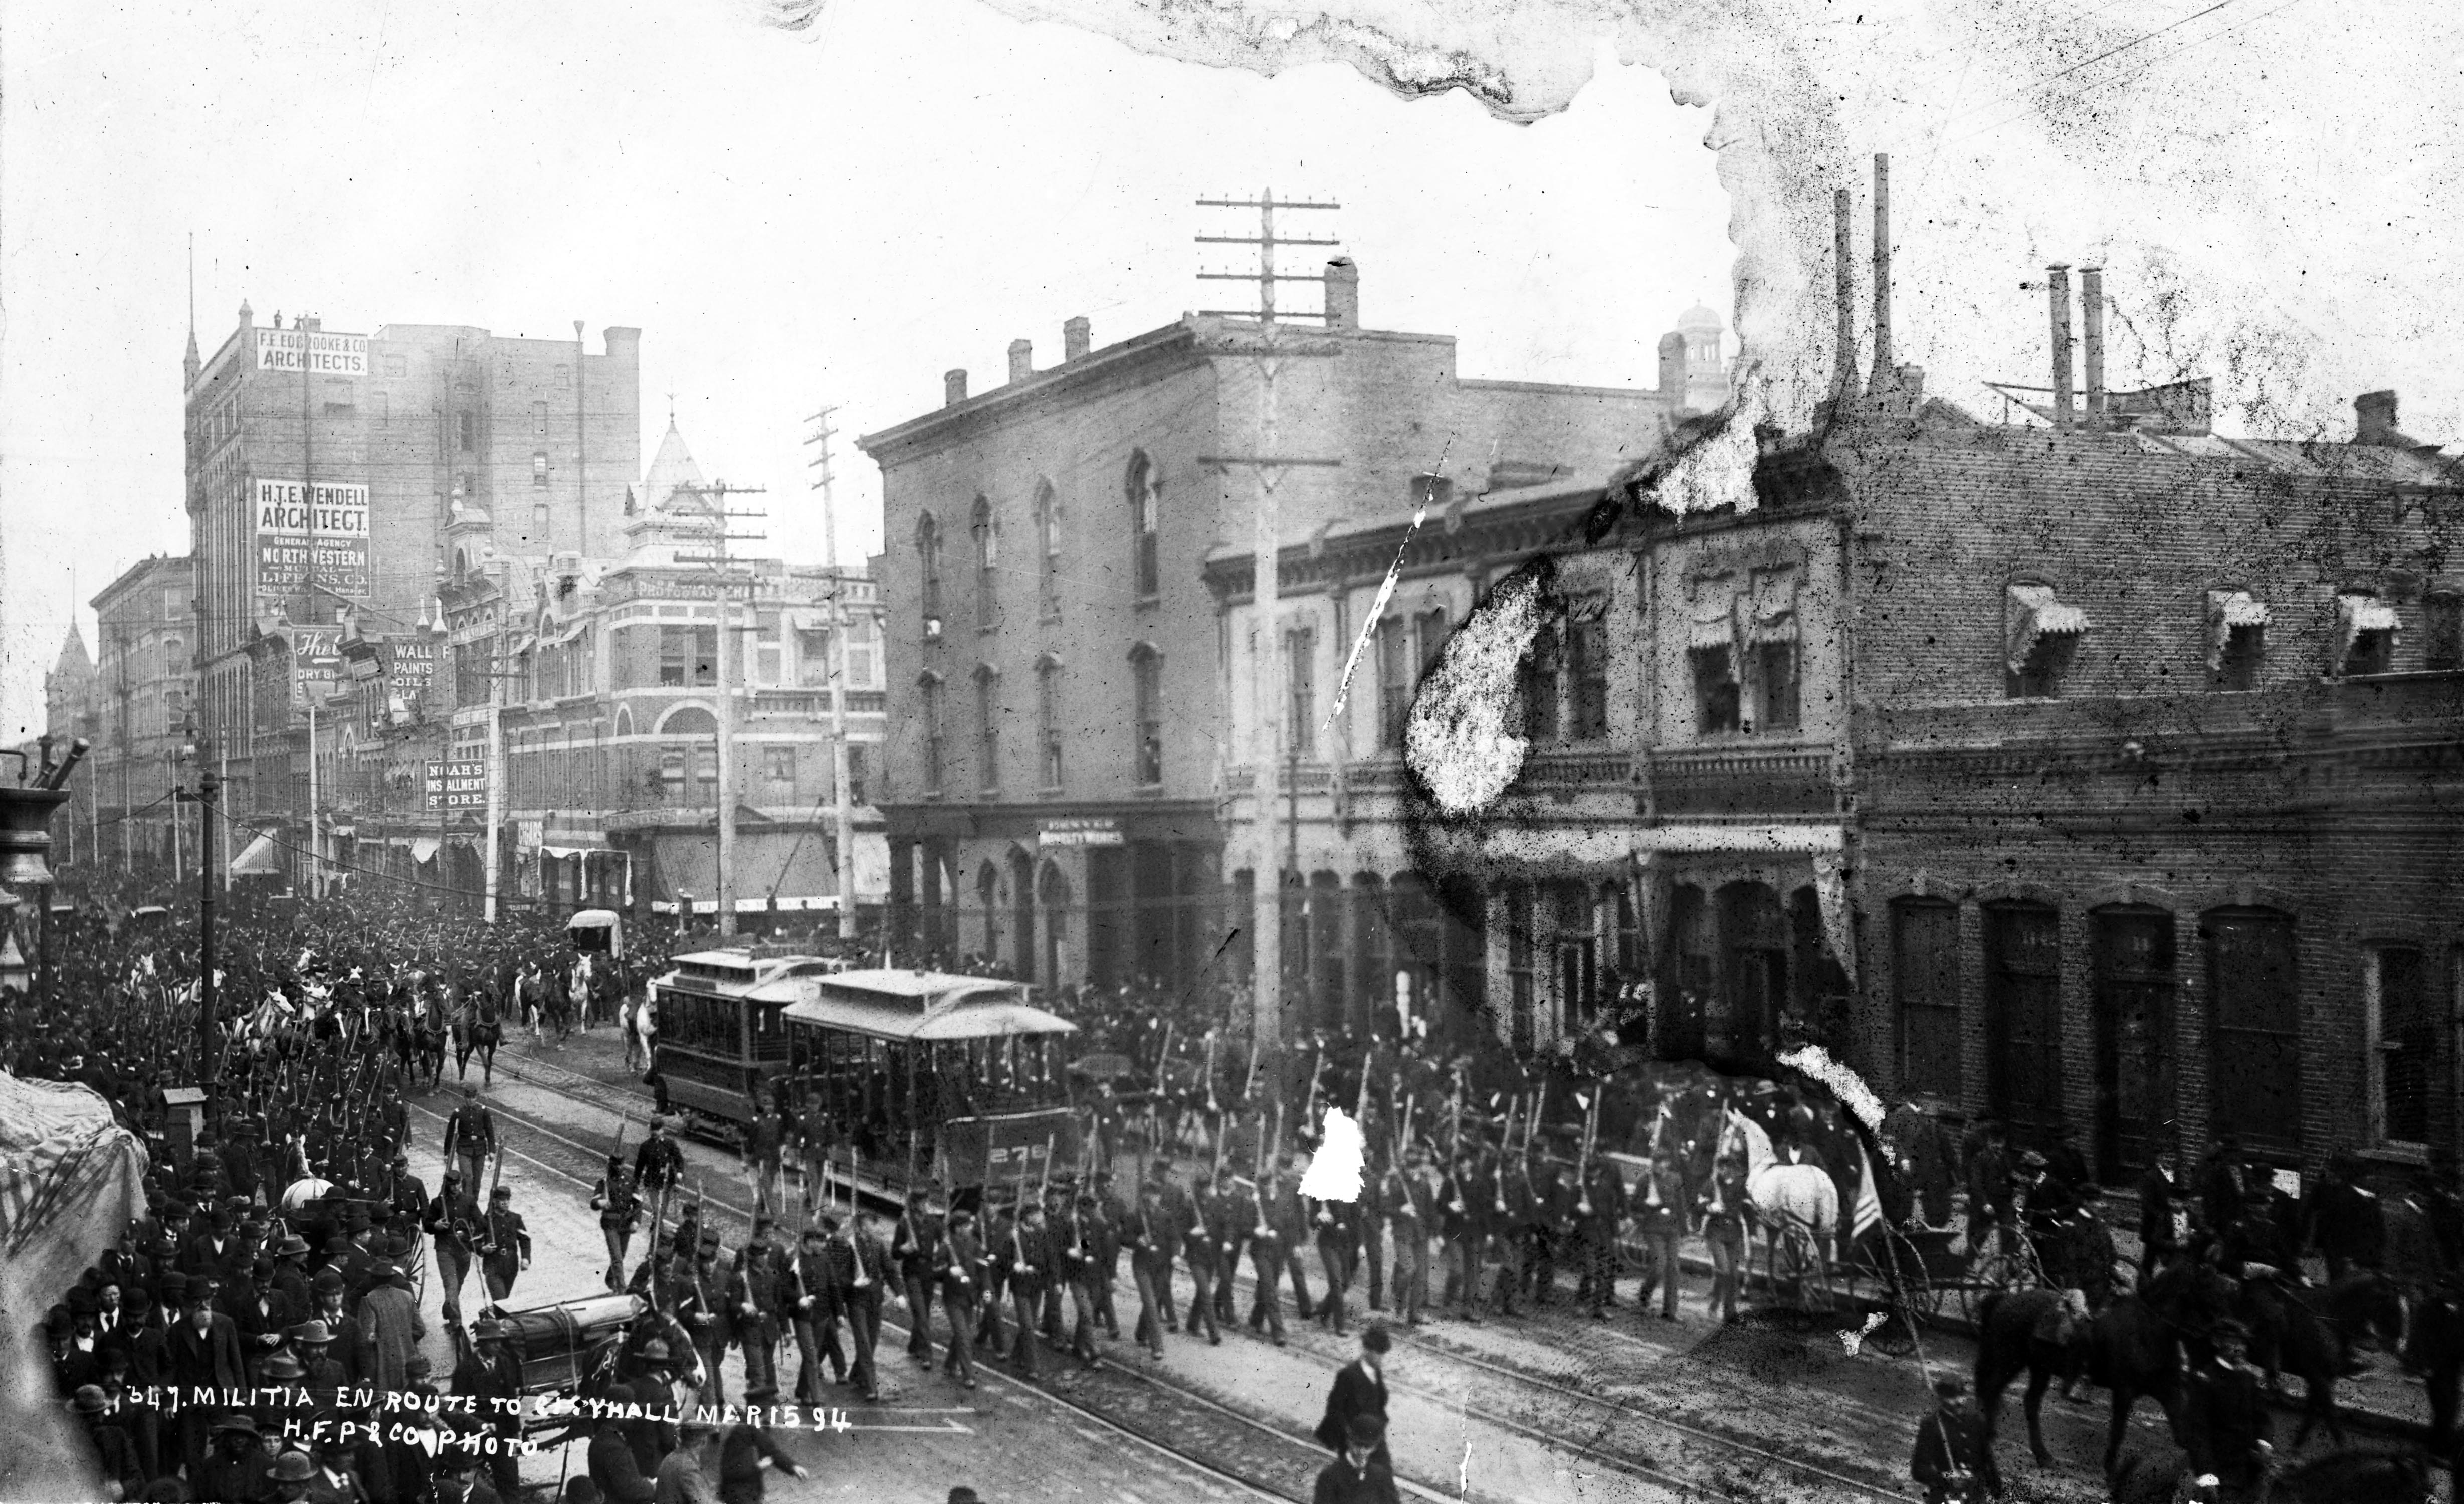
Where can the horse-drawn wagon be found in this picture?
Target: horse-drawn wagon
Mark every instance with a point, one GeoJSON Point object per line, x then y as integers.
{"type": "Point", "coordinates": [576, 1348]}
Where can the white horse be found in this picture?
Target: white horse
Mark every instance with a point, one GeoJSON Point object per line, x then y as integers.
{"type": "Point", "coordinates": [1792, 1202]}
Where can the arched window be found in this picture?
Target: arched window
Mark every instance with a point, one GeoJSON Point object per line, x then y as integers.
{"type": "Point", "coordinates": [987, 541]}
{"type": "Point", "coordinates": [987, 727]}
{"type": "Point", "coordinates": [927, 560]}
{"type": "Point", "coordinates": [1048, 550]}
{"type": "Point", "coordinates": [1047, 721]}
{"type": "Point", "coordinates": [927, 694]}
{"type": "Point", "coordinates": [1145, 488]}
{"type": "Point", "coordinates": [1146, 672]}
{"type": "Point", "coordinates": [988, 898]}
{"type": "Point", "coordinates": [689, 720]}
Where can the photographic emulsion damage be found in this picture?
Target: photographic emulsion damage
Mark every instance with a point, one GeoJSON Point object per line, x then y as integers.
{"type": "Point", "coordinates": [1414, 749]}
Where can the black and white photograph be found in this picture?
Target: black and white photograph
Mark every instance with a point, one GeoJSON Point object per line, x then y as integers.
{"type": "Point", "coordinates": [1204, 752]}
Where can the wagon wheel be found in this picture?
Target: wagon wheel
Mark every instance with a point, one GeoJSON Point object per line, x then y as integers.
{"type": "Point", "coordinates": [1801, 1259]}
{"type": "Point", "coordinates": [2003, 1268]}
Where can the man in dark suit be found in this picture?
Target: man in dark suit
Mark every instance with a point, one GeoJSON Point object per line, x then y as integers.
{"type": "Point", "coordinates": [1358, 1475]}
{"type": "Point", "coordinates": [1359, 1389]}
{"type": "Point", "coordinates": [202, 1351]}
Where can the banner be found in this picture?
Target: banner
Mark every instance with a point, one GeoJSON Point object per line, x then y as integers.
{"type": "Point", "coordinates": [299, 534]}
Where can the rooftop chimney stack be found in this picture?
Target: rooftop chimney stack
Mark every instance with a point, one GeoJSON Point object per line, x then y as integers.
{"type": "Point", "coordinates": [2374, 418]}
{"type": "Point", "coordinates": [1672, 372]}
{"type": "Point", "coordinates": [2092, 335]}
{"type": "Point", "coordinates": [1342, 294]}
{"type": "Point", "coordinates": [1077, 338]}
{"type": "Point", "coordinates": [954, 388]}
{"type": "Point", "coordinates": [2058, 284]}
{"type": "Point", "coordinates": [1022, 361]}
{"type": "Point", "coordinates": [1844, 379]}
{"type": "Point", "coordinates": [1883, 376]}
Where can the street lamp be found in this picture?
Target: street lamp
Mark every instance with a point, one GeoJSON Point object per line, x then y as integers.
{"type": "Point", "coordinates": [194, 750]}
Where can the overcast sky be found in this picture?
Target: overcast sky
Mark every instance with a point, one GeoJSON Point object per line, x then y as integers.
{"type": "Point", "coordinates": [792, 220]}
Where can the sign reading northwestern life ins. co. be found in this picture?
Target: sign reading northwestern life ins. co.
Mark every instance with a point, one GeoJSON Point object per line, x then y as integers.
{"type": "Point", "coordinates": [322, 354]}
{"type": "Point", "coordinates": [296, 531]}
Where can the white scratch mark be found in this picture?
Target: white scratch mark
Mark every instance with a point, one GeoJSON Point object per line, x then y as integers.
{"type": "Point", "coordinates": [1385, 593]}
{"type": "Point", "coordinates": [1846, 1084]}
{"type": "Point", "coordinates": [1459, 739]}
{"type": "Point", "coordinates": [1855, 1341]}
{"type": "Point", "coordinates": [1334, 1169]}
{"type": "Point", "coordinates": [1463, 1471]}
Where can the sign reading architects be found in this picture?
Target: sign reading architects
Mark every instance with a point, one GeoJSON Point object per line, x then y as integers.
{"type": "Point", "coordinates": [297, 535]}
{"type": "Point", "coordinates": [320, 354]}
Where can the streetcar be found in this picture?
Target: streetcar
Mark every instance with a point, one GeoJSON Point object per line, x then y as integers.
{"type": "Point", "coordinates": [721, 1042]}
{"type": "Point", "coordinates": [953, 1083]}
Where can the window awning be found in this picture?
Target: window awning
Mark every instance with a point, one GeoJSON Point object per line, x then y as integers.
{"type": "Point", "coordinates": [259, 858]}
{"type": "Point", "coordinates": [2227, 611]}
{"type": "Point", "coordinates": [2031, 613]}
{"type": "Point", "coordinates": [2364, 613]}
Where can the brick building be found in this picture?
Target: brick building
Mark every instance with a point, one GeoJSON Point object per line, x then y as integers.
{"type": "Point", "coordinates": [2101, 774]}
{"type": "Point", "coordinates": [332, 474]}
{"type": "Point", "coordinates": [144, 681]}
{"type": "Point", "coordinates": [1058, 674]}
{"type": "Point", "coordinates": [608, 670]}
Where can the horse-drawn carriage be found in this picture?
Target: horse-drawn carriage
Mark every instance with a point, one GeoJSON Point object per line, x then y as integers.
{"type": "Point", "coordinates": [574, 1349]}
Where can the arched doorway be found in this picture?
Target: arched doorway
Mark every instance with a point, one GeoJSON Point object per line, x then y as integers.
{"type": "Point", "coordinates": [1022, 887]}
{"type": "Point", "coordinates": [1052, 890]}
{"type": "Point", "coordinates": [988, 899]}
{"type": "Point", "coordinates": [1755, 938]}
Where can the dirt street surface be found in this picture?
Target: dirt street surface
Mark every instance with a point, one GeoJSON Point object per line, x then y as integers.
{"type": "Point", "coordinates": [1544, 1407]}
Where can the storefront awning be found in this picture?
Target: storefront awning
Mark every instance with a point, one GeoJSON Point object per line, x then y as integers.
{"type": "Point", "coordinates": [2227, 612]}
{"type": "Point", "coordinates": [259, 858]}
{"type": "Point", "coordinates": [2364, 613]}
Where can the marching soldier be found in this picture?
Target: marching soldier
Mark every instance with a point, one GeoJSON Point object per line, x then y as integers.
{"type": "Point", "coordinates": [699, 1295]}
{"type": "Point", "coordinates": [1403, 1194]}
{"type": "Point", "coordinates": [754, 1293]}
{"type": "Point", "coordinates": [1552, 1227]}
{"type": "Point", "coordinates": [764, 1143]}
{"type": "Point", "coordinates": [658, 1167]}
{"type": "Point", "coordinates": [1288, 1216]}
{"type": "Point", "coordinates": [1151, 1250]}
{"type": "Point", "coordinates": [1600, 1209]}
{"type": "Point", "coordinates": [911, 1250]}
{"type": "Point", "coordinates": [1954, 1454]}
{"type": "Point", "coordinates": [452, 1222]}
{"type": "Point", "coordinates": [1338, 1237]}
{"type": "Point", "coordinates": [1204, 1248]}
{"type": "Point", "coordinates": [1027, 1282]}
{"type": "Point", "coordinates": [815, 1303]}
{"type": "Point", "coordinates": [1072, 1257]}
{"type": "Point", "coordinates": [1001, 1238]}
{"type": "Point", "coordinates": [471, 1136]}
{"type": "Point", "coordinates": [1658, 1204]}
{"type": "Point", "coordinates": [1722, 1205]}
{"type": "Point", "coordinates": [865, 1266]}
{"type": "Point", "coordinates": [1110, 1214]}
{"type": "Point", "coordinates": [959, 1260]}
{"type": "Point", "coordinates": [1511, 1207]}
{"type": "Point", "coordinates": [1471, 1195]}
{"type": "Point", "coordinates": [620, 1211]}
{"type": "Point", "coordinates": [506, 1250]}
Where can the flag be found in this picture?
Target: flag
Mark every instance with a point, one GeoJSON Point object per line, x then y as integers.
{"type": "Point", "coordinates": [1869, 1210]}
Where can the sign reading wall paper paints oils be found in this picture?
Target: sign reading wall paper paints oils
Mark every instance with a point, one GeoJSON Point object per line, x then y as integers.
{"type": "Point", "coordinates": [300, 534]}
{"type": "Point", "coordinates": [318, 354]}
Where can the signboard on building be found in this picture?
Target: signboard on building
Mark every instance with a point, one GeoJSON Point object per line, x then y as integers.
{"type": "Point", "coordinates": [318, 353]}
{"type": "Point", "coordinates": [401, 673]}
{"type": "Point", "coordinates": [456, 785]}
{"type": "Point", "coordinates": [298, 534]}
{"type": "Point", "coordinates": [1090, 831]}
{"type": "Point", "coordinates": [315, 663]}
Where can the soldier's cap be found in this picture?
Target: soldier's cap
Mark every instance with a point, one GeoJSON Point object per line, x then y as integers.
{"type": "Point", "coordinates": [282, 1365]}
{"type": "Point", "coordinates": [502, 1193]}
{"type": "Point", "coordinates": [453, 1175]}
{"type": "Point", "coordinates": [1949, 1387]}
{"type": "Point", "coordinates": [309, 1333]}
{"type": "Point", "coordinates": [400, 1157]}
{"type": "Point", "coordinates": [763, 1225]}
{"type": "Point", "coordinates": [470, 1093]}
{"type": "Point", "coordinates": [829, 1224]}
{"type": "Point", "coordinates": [292, 1467]}
{"type": "Point", "coordinates": [709, 1237]}
{"type": "Point", "coordinates": [91, 1400]}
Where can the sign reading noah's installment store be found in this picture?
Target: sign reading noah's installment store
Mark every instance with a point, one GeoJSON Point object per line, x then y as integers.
{"type": "Point", "coordinates": [296, 531]}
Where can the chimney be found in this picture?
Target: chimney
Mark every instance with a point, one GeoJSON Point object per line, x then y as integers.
{"type": "Point", "coordinates": [1077, 338]}
{"type": "Point", "coordinates": [2374, 419]}
{"type": "Point", "coordinates": [310, 322]}
{"type": "Point", "coordinates": [623, 341]}
{"type": "Point", "coordinates": [954, 388]}
{"type": "Point", "coordinates": [1883, 372]}
{"type": "Point", "coordinates": [1844, 379]}
{"type": "Point", "coordinates": [1672, 371]}
{"type": "Point", "coordinates": [1022, 361]}
{"type": "Point", "coordinates": [2091, 336]}
{"type": "Point", "coordinates": [2058, 284]}
{"type": "Point", "coordinates": [1342, 294]}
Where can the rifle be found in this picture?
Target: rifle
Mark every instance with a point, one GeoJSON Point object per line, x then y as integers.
{"type": "Point", "coordinates": [1249, 1080]}
{"type": "Point", "coordinates": [1212, 1110]}
{"type": "Point", "coordinates": [1017, 1216]}
{"type": "Point", "coordinates": [1583, 1157]}
{"type": "Point", "coordinates": [1317, 1074]}
{"type": "Point", "coordinates": [1532, 1129]}
{"type": "Point", "coordinates": [1161, 1056]}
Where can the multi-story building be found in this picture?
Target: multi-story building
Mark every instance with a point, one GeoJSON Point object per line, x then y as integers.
{"type": "Point", "coordinates": [2099, 773]}
{"type": "Point", "coordinates": [333, 475]}
{"type": "Point", "coordinates": [602, 676]}
{"type": "Point", "coordinates": [1058, 674]}
{"type": "Point", "coordinates": [71, 708]}
{"type": "Point", "coordinates": [143, 688]}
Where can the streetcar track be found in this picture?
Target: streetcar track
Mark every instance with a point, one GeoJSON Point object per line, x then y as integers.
{"type": "Point", "coordinates": [1632, 1466]}
{"type": "Point", "coordinates": [1258, 1487]}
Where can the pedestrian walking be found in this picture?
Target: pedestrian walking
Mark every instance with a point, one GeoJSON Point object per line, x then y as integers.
{"type": "Point", "coordinates": [1953, 1460]}
{"type": "Point", "coordinates": [1357, 1475]}
{"type": "Point", "coordinates": [1359, 1391]}
{"type": "Point", "coordinates": [747, 1447]}
{"type": "Point", "coordinates": [1659, 1208]}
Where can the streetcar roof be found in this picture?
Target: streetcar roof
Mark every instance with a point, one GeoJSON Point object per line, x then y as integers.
{"type": "Point", "coordinates": [593, 919]}
{"type": "Point", "coordinates": [730, 971]}
{"type": "Point", "coordinates": [922, 1007]}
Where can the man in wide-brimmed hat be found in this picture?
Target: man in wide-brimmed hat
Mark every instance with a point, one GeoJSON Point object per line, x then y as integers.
{"type": "Point", "coordinates": [234, 1472]}
{"type": "Point", "coordinates": [390, 1330]}
{"type": "Point", "coordinates": [114, 1453]}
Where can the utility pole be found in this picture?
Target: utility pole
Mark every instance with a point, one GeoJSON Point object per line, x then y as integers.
{"type": "Point", "coordinates": [1271, 350]}
{"type": "Point", "coordinates": [208, 784]}
{"type": "Point", "coordinates": [723, 571]}
{"type": "Point", "coordinates": [841, 784]}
